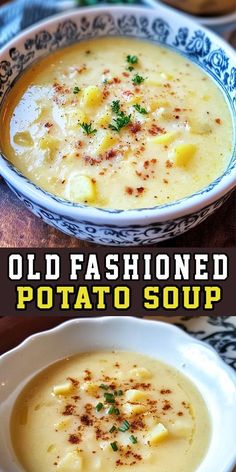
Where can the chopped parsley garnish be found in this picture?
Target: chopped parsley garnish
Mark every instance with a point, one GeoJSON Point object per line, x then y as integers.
{"type": "Point", "coordinates": [118, 393]}
{"type": "Point", "coordinates": [124, 426]}
{"type": "Point", "coordinates": [133, 439]}
{"type": "Point", "coordinates": [114, 411]}
{"type": "Point", "coordinates": [115, 106]}
{"type": "Point", "coordinates": [99, 406]}
{"type": "Point", "coordinates": [113, 429]}
{"type": "Point", "coordinates": [138, 79]}
{"type": "Point", "coordinates": [87, 128]}
{"type": "Point", "coordinates": [109, 397]}
{"type": "Point", "coordinates": [120, 122]}
{"type": "Point", "coordinates": [114, 446]}
{"type": "Point", "coordinates": [104, 387]}
{"type": "Point", "coordinates": [76, 90]}
{"type": "Point", "coordinates": [140, 109]}
{"type": "Point", "coordinates": [132, 59]}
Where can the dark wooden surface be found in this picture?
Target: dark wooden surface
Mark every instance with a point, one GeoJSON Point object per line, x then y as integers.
{"type": "Point", "coordinates": [20, 228]}
{"type": "Point", "coordinates": [15, 329]}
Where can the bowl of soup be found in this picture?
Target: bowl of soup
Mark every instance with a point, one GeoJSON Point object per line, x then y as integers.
{"type": "Point", "coordinates": [118, 126]}
{"type": "Point", "coordinates": [96, 398]}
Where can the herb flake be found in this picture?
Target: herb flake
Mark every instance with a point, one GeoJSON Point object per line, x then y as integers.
{"type": "Point", "coordinates": [99, 406]}
{"type": "Point", "coordinates": [140, 109]}
{"type": "Point", "coordinates": [115, 106]}
{"type": "Point", "coordinates": [124, 426]}
{"type": "Point", "coordinates": [109, 397]}
{"type": "Point", "coordinates": [114, 446]}
{"type": "Point", "coordinates": [113, 429]}
{"type": "Point", "coordinates": [87, 128]}
{"type": "Point", "coordinates": [114, 411]}
{"type": "Point", "coordinates": [104, 387]}
{"type": "Point", "coordinates": [138, 79]}
{"type": "Point", "coordinates": [132, 59]}
{"type": "Point", "coordinates": [76, 90]}
{"type": "Point", "coordinates": [120, 122]}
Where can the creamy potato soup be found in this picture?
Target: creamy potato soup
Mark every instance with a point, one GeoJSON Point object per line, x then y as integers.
{"type": "Point", "coordinates": [117, 123]}
{"type": "Point", "coordinates": [110, 411]}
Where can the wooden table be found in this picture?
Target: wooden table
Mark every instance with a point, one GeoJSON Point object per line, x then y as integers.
{"type": "Point", "coordinates": [20, 228]}
{"type": "Point", "coordinates": [14, 329]}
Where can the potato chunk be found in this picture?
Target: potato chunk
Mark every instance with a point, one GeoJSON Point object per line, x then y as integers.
{"type": "Point", "coordinates": [106, 142]}
{"type": "Point", "coordinates": [157, 434]}
{"type": "Point", "coordinates": [158, 103]}
{"type": "Point", "coordinates": [91, 388]}
{"type": "Point", "coordinates": [80, 188]}
{"type": "Point", "coordinates": [23, 138]}
{"type": "Point", "coordinates": [50, 145]}
{"type": "Point", "coordinates": [199, 127]}
{"type": "Point", "coordinates": [134, 409]}
{"type": "Point", "coordinates": [63, 389]}
{"type": "Point", "coordinates": [184, 153]}
{"type": "Point", "coordinates": [104, 119]}
{"type": "Point", "coordinates": [92, 96]}
{"type": "Point", "coordinates": [135, 395]}
{"type": "Point", "coordinates": [71, 462]}
{"type": "Point", "coordinates": [74, 116]}
{"type": "Point", "coordinates": [166, 138]}
{"type": "Point", "coordinates": [141, 373]}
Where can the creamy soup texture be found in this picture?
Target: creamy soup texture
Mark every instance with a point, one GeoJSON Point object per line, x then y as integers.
{"type": "Point", "coordinates": [110, 411]}
{"type": "Point", "coordinates": [117, 123]}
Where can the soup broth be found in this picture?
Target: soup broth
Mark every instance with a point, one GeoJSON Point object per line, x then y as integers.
{"type": "Point", "coordinates": [117, 123]}
{"type": "Point", "coordinates": [110, 411]}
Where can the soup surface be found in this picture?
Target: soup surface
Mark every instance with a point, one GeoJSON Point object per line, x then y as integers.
{"type": "Point", "coordinates": [110, 411]}
{"type": "Point", "coordinates": [117, 123]}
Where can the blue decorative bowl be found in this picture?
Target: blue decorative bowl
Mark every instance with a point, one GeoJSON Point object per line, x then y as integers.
{"type": "Point", "coordinates": [166, 27]}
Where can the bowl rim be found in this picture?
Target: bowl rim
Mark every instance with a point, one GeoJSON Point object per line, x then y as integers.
{"type": "Point", "coordinates": [176, 209]}
{"type": "Point", "coordinates": [117, 320]}
{"type": "Point", "coordinates": [130, 322]}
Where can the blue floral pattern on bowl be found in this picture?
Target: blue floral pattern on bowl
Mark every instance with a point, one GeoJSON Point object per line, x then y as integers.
{"type": "Point", "coordinates": [195, 44]}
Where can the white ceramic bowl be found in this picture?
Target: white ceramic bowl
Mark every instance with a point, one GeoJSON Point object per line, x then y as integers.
{"type": "Point", "coordinates": [163, 26]}
{"type": "Point", "coordinates": [199, 362]}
